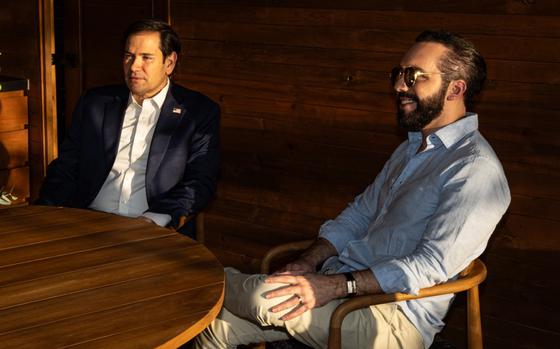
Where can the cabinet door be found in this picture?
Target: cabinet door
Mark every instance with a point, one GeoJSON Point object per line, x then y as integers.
{"type": "Point", "coordinates": [13, 111]}
{"type": "Point", "coordinates": [13, 149]}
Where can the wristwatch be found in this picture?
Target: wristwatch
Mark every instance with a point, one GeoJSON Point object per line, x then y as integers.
{"type": "Point", "coordinates": [351, 287]}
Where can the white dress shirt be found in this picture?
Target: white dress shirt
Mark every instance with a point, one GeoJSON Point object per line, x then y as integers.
{"type": "Point", "coordinates": [124, 189]}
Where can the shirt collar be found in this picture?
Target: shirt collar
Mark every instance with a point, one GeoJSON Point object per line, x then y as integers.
{"type": "Point", "coordinates": [451, 133]}
{"type": "Point", "coordinates": [158, 99]}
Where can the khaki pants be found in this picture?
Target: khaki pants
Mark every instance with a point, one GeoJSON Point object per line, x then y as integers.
{"type": "Point", "coordinates": [245, 318]}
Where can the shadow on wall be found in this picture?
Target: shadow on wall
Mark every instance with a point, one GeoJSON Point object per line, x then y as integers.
{"type": "Point", "coordinates": [516, 299]}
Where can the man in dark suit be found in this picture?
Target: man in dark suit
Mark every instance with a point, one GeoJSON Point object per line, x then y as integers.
{"type": "Point", "coordinates": [147, 149]}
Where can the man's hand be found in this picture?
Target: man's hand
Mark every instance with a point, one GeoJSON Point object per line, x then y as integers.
{"type": "Point", "coordinates": [309, 291]}
{"type": "Point", "coordinates": [298, 267]}
{"type": "Point", "coordinates": [145, 219]}
{"type": "Point", "coordinates": [316, 254]}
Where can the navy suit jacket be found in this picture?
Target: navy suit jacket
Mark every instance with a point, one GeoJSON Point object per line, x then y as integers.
{"type": "Point", "coordinates": [183, 161]}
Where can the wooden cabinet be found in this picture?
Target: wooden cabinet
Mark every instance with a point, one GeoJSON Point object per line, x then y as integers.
{"type": "Point", "coordinates": [14, 147]}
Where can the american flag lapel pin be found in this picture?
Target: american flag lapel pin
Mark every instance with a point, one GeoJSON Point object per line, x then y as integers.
{"type": "Point", "coordinates": [177, 111]}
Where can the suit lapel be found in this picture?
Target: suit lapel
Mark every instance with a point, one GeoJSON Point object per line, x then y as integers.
{"type": "Point", "coordinates": [170, 116]}
{"type": "Point", "coordinates": [112, 123]}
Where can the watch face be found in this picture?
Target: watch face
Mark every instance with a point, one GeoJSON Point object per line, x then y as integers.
{"type": "Point", "coordinates": [351, 287]}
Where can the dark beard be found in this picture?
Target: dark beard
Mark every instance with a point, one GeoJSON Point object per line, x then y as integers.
{"type": "Point", "coordinates": [426, 110]}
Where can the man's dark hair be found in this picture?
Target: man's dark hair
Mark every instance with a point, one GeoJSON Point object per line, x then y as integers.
{"type": "Point", "coordinates": [169, 40]}
{"type": "Point", "coordinates": [463, 61]}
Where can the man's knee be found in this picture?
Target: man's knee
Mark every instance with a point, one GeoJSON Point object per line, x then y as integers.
{"type": "Point", "coordinates": [245, 297]}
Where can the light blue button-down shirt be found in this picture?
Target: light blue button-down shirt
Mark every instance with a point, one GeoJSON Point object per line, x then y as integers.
{"type": "Point", "coordinates": [424, 219]}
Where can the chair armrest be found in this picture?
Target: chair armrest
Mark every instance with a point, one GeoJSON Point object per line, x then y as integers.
{"type": "Point", "coordinates": [199, 225]}
{"type": "Point", "coordinates": [471, 277]}
{"type": "Point", "coordinates": [183, 220]}
{"type": "Point", "coordinates": [280, 250]}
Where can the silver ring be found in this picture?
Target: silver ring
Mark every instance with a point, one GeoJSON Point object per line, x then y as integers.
{"type": "Point", "coordinates": [300, 299]}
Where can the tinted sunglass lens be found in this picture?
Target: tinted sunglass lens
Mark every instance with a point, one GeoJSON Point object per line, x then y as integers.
{"type": "Point", "coordinates": [409, 76]}
{"type": "Point", "coordinates": [394, 75]}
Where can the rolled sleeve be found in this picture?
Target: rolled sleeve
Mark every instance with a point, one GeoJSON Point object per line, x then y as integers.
{"type": "Point", "coordinates": [331, 232]}
{"type": "Point", "coordinates": [472, 203]}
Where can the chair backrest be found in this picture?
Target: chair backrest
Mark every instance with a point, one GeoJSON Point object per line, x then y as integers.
{"type": "Point", "coordinates": [279, 251]}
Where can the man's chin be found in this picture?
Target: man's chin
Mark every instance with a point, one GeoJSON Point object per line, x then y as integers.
{"type": "Point", "coordinates": [407, 109]}
{"type": "Point", "coordinates": [406, 115]}
{"type": "Point", "coordinates": [408, 121]}
{"type": "Point", "coordinates": [135, 89]}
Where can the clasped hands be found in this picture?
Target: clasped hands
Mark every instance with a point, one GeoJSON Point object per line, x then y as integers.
{"type": "Point", "coordinates": [308, 288]}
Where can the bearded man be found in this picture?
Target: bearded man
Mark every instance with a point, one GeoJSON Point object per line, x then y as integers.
{"type": "Point", "coordinates": [427, 215]}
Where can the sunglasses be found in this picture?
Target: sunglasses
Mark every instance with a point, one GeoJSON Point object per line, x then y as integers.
{"type": "Point", "coordinates": [409, 74]}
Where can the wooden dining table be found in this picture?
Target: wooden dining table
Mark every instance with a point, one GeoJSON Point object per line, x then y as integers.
{"type": "Point", "coordinates": [73, 278]}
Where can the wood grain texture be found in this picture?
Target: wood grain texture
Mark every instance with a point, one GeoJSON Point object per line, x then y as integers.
{"type": "Point", "coordinates": [13, 111]}
{"type": "Point", "coordinates": [77, 278]}
{"type": "Point", "coordinates": [543, 7]}
{"type": "Point", "coordinates": [14, 145]}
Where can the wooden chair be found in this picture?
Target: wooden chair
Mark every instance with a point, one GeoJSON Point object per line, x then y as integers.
{"type": "Point", "coordinates": [468, 281]}
{"type": "Point", "coordinates": [199, 223]}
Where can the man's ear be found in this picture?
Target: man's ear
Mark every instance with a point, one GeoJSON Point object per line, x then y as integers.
{"type": "Point", "coordinates": [456, 90]}
{"type": "Point", "coordinates": [170, 62]}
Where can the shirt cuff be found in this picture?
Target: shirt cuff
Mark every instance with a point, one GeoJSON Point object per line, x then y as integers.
{"type": "Point", "coordinates": [330, 233]}
{"type": "Point", "coordinates": [160, 219]}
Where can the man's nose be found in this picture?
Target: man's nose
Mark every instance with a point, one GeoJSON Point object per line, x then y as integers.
{"type": "Point", "coordinates": [136, 63]}
{"type": "Point", "coordinates": [399, 85]}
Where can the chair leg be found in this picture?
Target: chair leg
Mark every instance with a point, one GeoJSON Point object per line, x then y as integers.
{"type": "Point", "coordinates": [474, 321]}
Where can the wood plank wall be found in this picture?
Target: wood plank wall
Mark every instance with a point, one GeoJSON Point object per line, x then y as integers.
{"type": "Point", "coordinates": [308, 120]}
{"type": "Point", "coordinates": [90, 49]}
{"type": "Point", "coordinates": [19, 44]}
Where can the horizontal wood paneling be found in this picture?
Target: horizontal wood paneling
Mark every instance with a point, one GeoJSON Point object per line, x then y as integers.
{"type": "Point", "coordinates": [494, 47]}
{"type": "Point", "coordinates": [308, 120]}
{"type": "Point", "coordinates": [106, 54]}
{"type": "Point", "coordinates": [543, 7]}
{"type": "Point", "coordinates": [546, 26]}
{"type": "Point", "coordinates": [498, 332]}
{"type": "Point", "coordinates": [353, 60]}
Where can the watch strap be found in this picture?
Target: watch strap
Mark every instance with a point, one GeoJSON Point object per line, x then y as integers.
{"type": "Point", "coordinates": [351, 287]}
